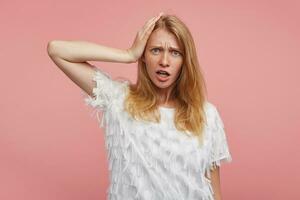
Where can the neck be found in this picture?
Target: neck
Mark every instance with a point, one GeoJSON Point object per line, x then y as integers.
{"type": "Point", "coordinates": [165, 97]}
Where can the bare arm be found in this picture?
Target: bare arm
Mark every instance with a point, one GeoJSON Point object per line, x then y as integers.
{"type": "Point", "coordinates": [215, 183]}
{"type": "Point", "coordinates": [81, 51]}
{"type": "Point", "coordinates": [72, 56]}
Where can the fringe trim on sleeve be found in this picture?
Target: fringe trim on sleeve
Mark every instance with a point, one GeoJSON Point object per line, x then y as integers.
{"type": "Point", "coordinates": [219, 147]}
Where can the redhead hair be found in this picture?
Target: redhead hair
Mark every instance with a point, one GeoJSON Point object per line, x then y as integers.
{"type": "Point", "coordinates": [189, 91]}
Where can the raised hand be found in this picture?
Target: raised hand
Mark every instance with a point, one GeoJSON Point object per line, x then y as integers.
{"type": "Point", "coordinates": [140, 41]}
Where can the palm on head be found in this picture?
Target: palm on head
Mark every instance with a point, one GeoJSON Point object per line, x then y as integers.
{"type": "Point", "coordinates": [138, 46]}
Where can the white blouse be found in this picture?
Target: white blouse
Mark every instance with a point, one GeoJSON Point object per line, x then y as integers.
{"type": "Point", "coordinates": [155, 161]}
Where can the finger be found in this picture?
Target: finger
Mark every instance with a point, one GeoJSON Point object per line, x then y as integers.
{"type": "Point", "coordinates": [146, 33]}
{"type": "Point", "coordinates": [153, 19]}
{"type": "Point", "coordinates": [150, 29]}
{"type": "Point", "coordinates": [151, 22]}
{"type": "Point", "coordinates": [148, 25]}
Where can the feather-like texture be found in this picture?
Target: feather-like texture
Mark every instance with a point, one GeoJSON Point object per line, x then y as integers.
{"type": "Point", "coordinates": [155, 161]}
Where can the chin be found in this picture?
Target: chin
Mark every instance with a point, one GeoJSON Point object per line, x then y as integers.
{"type": "Point", "coordinates": [163, 85]}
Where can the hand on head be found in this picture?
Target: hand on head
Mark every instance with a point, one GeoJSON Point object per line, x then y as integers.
{"type": "Point", "coordinates": [140, 41]}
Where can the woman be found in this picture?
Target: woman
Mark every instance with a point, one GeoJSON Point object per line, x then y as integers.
{"type": "Point", "coordinates": [164, 139]}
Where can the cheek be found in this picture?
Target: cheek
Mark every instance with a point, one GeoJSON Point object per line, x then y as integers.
{"type": "Point", "coordinates": [150, 69]}
{"type": "Point", "coordinates": [150, 64]}
{"type": "Point", "coordinates": [151, 59]}
{"type": "Point", "coordinates": [178, 69]}
{"type": "Point", "coordinates": [177, 74]}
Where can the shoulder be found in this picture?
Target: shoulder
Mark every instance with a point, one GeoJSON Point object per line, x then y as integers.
{"type": "Point", "coordinates": [212, 114]}
{"type": "Point", "coordinates": [209, 108]}
{"type": "Point", "coordinates": [113, 85]}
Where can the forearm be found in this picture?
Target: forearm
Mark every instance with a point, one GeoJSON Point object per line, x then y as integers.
{"type": "Point", "coordinates": [82, 51]}
{"type": "Point", "coordinates": [216, 183]}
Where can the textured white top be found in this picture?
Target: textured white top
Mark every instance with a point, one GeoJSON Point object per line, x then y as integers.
{"type": "Point", "coordinates": [155, 161]}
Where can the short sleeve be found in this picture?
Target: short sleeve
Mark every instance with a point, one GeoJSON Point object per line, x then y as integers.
{"type": "Point", "coordinates": [103, 94]}
{"type": "Point", "coordinates": [219, 146]}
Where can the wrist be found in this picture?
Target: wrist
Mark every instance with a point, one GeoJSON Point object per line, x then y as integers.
{"type": "Point", "coordinates": [131, 58]}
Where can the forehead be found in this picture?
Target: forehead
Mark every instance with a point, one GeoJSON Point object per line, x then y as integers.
{"type": "Point", "coordinates": [161, 37]}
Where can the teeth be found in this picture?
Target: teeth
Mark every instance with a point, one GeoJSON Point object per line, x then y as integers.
{"type": "Point", "coordinates": [163, 73]}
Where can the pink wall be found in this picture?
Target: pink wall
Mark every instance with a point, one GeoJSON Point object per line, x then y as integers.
{"type": "Point", "coordinates": [51, 148]}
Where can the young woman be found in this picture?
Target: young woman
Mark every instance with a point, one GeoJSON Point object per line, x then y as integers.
{"type": "Point", "coordinates": [164, 139]}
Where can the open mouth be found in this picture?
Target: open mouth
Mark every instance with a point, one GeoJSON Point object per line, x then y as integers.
{"type": "Point", "coordinates": [163, 73]}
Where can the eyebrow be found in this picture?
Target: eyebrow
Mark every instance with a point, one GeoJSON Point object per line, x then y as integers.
{"type": "Point", "coordinates": [173, 48]}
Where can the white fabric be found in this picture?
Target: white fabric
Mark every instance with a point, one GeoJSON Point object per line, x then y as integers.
{"type": "Point", "coordinates": [149, 161]}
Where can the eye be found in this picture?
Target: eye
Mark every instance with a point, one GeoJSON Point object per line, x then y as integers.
{"type": "Point", "coordinates": [176, 53]}
{"type": "Point", "coordinates": [153, 50]}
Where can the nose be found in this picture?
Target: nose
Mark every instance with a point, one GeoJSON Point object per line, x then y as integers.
{"type": "Point", "coordinates": [164, 61]}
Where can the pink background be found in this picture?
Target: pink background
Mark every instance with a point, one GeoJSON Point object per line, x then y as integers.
{"type": "Point", "coordinates": [51, 147]}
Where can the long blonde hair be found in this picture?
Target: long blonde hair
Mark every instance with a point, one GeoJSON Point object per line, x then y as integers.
{"type": "Point", "coordinates": [189, 91]}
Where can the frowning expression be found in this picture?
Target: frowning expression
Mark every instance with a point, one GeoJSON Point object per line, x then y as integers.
{"type": "Point", "coordinates": [163, 58]}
